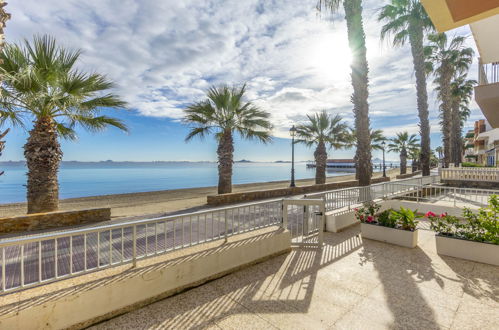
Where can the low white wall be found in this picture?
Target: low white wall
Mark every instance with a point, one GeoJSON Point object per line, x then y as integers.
{"type": "Point", "coordinates": [423, 207]}
{"type": "Point", "coordinates": [137, 287]}
{"type": "Point", "coordinates": [339, 220]}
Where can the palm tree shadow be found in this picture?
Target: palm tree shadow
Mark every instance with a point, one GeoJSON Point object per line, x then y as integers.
{"type": "Point", "coordinates": [400, 270]}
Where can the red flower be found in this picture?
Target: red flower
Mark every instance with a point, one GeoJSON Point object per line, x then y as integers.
{"type": "Point", "coordinates": [430, 214]}
{"type": "Point", "coordinates": [370, 218]}
{"type": "Point", "coordinates": [443, 215]}
{"type": "Point", "coordinates": [361, 217]}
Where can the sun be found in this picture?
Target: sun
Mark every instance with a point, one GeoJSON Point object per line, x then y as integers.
{"type": "Point", "coordinates": [329, 57]}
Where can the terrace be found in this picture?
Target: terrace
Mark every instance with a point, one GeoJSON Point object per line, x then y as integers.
{"type": "Point", "coordinates": [349, 284]}
{"type": "Point", "coordinates": [306, 277]}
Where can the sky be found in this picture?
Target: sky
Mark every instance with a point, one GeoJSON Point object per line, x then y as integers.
{"type": "Point", "coordinates": [163, 55]}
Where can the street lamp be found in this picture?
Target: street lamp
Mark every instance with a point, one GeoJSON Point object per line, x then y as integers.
{"type": "Point", "coordinates": [292, 132]}
{"type": "Point", "coordinates": [383, 144]}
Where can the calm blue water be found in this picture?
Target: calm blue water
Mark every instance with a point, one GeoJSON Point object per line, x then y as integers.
{"type": "Point", "coordinates": [80, 180]}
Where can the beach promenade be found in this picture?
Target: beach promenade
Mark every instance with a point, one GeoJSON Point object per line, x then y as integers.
{"type": "Point", "coordinates": [159, 203]}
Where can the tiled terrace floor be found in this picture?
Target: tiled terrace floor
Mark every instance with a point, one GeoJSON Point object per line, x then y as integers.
{"type": "Point", "coordinates": [350, 284]}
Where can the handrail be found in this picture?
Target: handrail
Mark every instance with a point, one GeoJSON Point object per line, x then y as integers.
{"type": "Point", "coordinates": [488, 73]}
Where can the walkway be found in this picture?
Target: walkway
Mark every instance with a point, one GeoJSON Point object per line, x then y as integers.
{"type": "Point", "coordinates": [350, 284]}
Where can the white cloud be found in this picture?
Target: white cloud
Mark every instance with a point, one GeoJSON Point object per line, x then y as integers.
{"type": "Point", "coordinates": [164, 54]}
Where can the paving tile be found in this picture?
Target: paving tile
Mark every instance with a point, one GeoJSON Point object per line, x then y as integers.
{"type": "Point", "coordinates": [475, 316]}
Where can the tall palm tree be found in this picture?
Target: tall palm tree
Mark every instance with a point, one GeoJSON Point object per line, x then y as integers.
{"type": "Point", "coordinates": [376, 137]}
{"type": "Point", "coordinates": [403, 144]}
{"type": "Point", "coordinates": [4, 17]}
{"type": "Point", "coordinates": [224, 113]}
{"type": "Point", "coordinates": [41, 84]}
{"type": "Point", "coordinates": [360, 81]}
{"type": "Point", "coordinates": [446, 59]}
{"type": "Point", "coordinates": [461, 93]}
{"type": "Point", "coordinates": [407, 20]}
{"type": "Point", "coordinates": [323, 130]}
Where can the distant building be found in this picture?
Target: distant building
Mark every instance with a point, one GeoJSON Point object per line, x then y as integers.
{"type": "Point", "coordinates": [485, 141]}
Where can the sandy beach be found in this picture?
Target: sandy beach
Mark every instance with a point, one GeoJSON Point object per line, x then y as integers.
{"type": "Point", "coordinates": [156, 203]}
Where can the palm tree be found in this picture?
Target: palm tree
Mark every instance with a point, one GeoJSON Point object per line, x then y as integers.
{"type": "Point", "coordinates": [2, 143]}
{"type": "Point", "coordinates": [376, 137]}
{"type": "Point", "coordinates": [224, 113]}
{"type": "Point", "coordinates": [4, 17]}
{"type": "Point", "coordinates": [440, 152]}
{"type": "Point", "coordinates": [415, 156]}
{"type": "Point", "coordinates": [403, 144]}
{"type": "Point", "coordinates": [41, 84]}
{"type": "Point", "coordinates": [407, 20]}
{"type": "Point", "coordinates": [323, 130]}
{"type": "Point", "coordinates": [446, 59]}
{"type": "Point", "coordinates": [461, 93]}
{"type": "Point", "coordinates": [360, 81]}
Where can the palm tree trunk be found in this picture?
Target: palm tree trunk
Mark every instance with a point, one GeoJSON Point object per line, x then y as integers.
{"type": "Point", "coordinates": [225, 153]}
{"type": "Point", "coordinates": [320, 155]}
{"type": "Point", "coordinates": [446, 109]}
{"type": "Point", "coordinates": [2, 143]}
{"type": "Point", "coordinates": [43, 156]}
{"type": "Point", "coordinates": [456, 143]}
{"type": "Point", "coordinates": [403, 162]}
{"type": "Point", "coordinates": [416, 36]}
{"type": "Point", "coordinates": [360, 82]}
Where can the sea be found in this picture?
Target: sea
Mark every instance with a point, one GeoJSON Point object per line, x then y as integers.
{"type": "Point", "coordinates": [79, 179]}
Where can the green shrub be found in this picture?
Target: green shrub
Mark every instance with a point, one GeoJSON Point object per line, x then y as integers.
{"type": "Point", "coordinates": [480, 227]}
{"type": "Point", "coordinates": [386, 219]}
{"type": "Point", "coordinates": [405, 218]}
{"type": "Point", "coordinates": [467, 164]}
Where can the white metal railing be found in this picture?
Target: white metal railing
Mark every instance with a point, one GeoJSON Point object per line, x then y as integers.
{"type": "Point", "coordinates": [337, 199]}
{"type": "Point", "coordinates": [470, 174]}
{"type": "Point", "coordinates": [455, 196]}
{"type": "Point", "coordinates": [488, 73]}
{"type": "Point", "coordinates": [32, 260]}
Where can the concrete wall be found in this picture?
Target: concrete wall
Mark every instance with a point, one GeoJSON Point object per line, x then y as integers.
{"type": "Point", "coordinates": [471, 184]}
{"type": "Point", "coordinates": [408, 175]}
{"type": "Point", "coordinates": [336, 221]}
{"type": "Point", "coordinates": [276, 193]}
{"type": "Point", "coordinates": [41, 221]}
{"type": "Point", "coordinates": [78, 306]}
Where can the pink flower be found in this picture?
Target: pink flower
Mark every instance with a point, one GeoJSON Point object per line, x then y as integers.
{"type": "Point", "coordinates": [430, 214]}
{"type": "Point", "coordinates": [370, 218]}
{"type": "Point", "coordinates": [356, 210]}
{"type": "Point", "coordinates": [443, 215]}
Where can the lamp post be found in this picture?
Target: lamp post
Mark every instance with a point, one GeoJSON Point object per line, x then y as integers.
{"type": "Point", "coordinates": [383, 144]}
{"type": "Point", "coordinates": [292, 132]}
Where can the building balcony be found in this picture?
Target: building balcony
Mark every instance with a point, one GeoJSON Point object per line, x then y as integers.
{"type": "Point", "coordinates": [487, 92]}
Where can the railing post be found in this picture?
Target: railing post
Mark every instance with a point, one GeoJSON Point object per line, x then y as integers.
{"type": "Point", "coordinates": [455, 197]}
{"type": "Point", "coordinates": [134, 248]}
{"type": "Point", "coordinates": [226, 225]}
{"type": "Point", "coordinates": [284, 215]}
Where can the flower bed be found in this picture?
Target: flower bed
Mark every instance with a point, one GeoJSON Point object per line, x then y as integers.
{"type": "Point", "coordinates": [475, 237]}
{"type": "Point", "coordinates": [390, 226]}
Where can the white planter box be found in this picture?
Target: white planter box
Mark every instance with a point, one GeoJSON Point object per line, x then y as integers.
{"type": "Point", "coordinates": [390, 235]}
{"type": "Point", "coordinates": [469, 250]}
